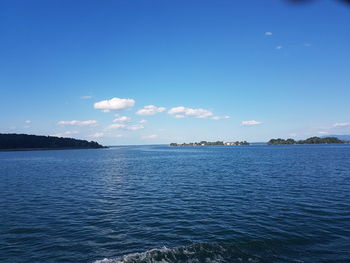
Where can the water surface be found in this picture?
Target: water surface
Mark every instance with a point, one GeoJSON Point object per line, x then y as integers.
{"type": "Point", "coordinates": [176, 204]}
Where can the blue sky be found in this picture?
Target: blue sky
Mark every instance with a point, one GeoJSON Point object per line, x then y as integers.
{"type": "Point", "coordinates": [211, 70]}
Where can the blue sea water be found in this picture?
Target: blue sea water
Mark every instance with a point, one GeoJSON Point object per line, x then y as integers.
{"type": "Point", "coordinates": [176, 204]}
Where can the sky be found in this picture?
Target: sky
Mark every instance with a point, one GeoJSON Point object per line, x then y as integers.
{"type": "Point", "coordinates": [127, 72]}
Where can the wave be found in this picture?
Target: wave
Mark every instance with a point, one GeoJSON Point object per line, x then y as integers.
{"type": "Point", "coordinates": [197, 253]}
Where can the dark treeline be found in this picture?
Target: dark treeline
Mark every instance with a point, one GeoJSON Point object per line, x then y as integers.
{"type": "Point", "coordinates": [311, 140]}
{"type": "Point", "coordinates": [25, 141]}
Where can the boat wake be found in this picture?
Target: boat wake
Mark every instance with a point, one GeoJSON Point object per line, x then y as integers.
{"type": "Point", "coordinates": [197, 253]}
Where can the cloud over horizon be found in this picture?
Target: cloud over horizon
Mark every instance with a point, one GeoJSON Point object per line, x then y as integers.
{"type": "Point", "coordinates": [114, 104]}
{"type": "Point", "coordinates": [122, 119]}
{"type": "Point", "coordinates": [133, 127]}
{"type": "Point", "coordinates": [220, 117]}
{"type": "Point", "coordinates": [150, 110]}
{"type": "Point", "coordinates": [116, 126]}
{"type": "Point", "coordinates": [251, 122]}
{"type": "Point", "coordinates": [108, 135]}
{"type": "Point", "coordinates": [78, 123]}
{"type": "Point", "coordinates": [341, 124]}
{"type": "Point", "coordinates": [182, 112]}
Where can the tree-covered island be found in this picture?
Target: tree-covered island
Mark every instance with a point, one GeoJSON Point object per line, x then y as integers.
{"type": "Point", "coordinates": [311, 140]}
{"type": "Point", "coordinates": [205, 143]}
{"type": "Point", "coordinates": [35, 142]}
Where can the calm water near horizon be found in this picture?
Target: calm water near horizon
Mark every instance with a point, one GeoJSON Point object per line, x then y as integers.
{"type": "Point", "coordinates": [176, 204]}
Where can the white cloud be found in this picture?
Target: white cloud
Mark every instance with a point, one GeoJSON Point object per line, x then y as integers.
{"type": "Point", "coordinates": [152, 136]}
{"type": "Point", "coordinates": [142, 121]}
{"type": "Point", "coordinates": [125, 127]}
{"type": "Point", "coordinates": [279, 47]}
{"type": "Point", "coordinates": [220, 117]}
{"type": "Point", "coordinates": [102, 134]}
{"type": "Point", "coordinates": [252, 122]}
{"type": "Point", "coordinates": [181, 112]}
{"type": "Point", "coordinates": [150, 110]}
{"type": "Point", "coordinates": [268, 33]}
{"type": "Point", "coordinates": [341, 124]}
{"type": "Point", "coordinates": [122, 119]}
{"type": "Point", "coordinates": [116, 126]}
{"type": "Point", "coordinates": [135, 127]}
{"type": "Point", "coordinates": [114, 104]}
{"type": "Point", "coordinates": [292, 134]}
{"type": "Point", "coordinates": [86, 97]}
{"type": "Point", "coordinates": [78, 123]}
{"type": "Point", "coordinates": [28, 121]}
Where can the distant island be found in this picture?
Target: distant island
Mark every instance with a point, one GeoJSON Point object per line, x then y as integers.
{"type": "Point", "coordinates": [35, 142]}
{"type": "Point", "coordinates": [311, 140]}
{"type": "Point", "coordinates": [205, 143]}
{"type": "Point", "coordinates": [343, 137]}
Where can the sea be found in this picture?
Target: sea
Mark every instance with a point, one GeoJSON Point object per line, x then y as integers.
{"type": "Point", "coordinates": [157, 203]}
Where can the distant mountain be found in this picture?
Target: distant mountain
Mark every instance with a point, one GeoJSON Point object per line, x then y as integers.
{"type": "Point", "coordinates": [31, 142]}
{"type": "Point", "coordinates": [340, 137]}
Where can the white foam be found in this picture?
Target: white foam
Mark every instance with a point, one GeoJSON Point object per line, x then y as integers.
{"type": "Point", "coordinates": [137, 256]}
{"type": "Point", "coordinates": [197, 253]}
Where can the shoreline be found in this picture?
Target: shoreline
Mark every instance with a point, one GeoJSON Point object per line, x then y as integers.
{"type": "Point", "coordinates": [46, 149]}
